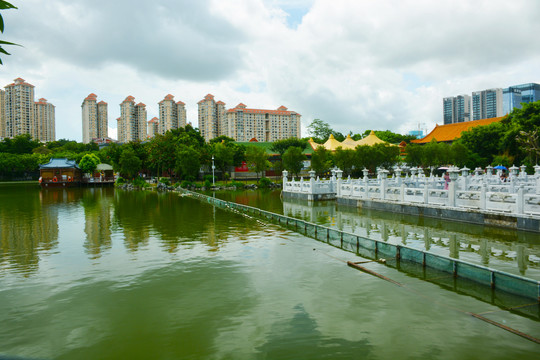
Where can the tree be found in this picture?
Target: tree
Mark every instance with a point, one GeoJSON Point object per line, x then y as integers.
{"type": "Point", "coordinates": [530, 144]}
{"type": "Point", "coordinates": [293, 160]}
{"type": "Point", "coordinates": [130, 164]}
{"type": "Point", "coordinates": [162, 153]}
{"type": "Point", "coordinates": [485, 141]}
{"type": "Point", "coordinates": [188, 162]}
{"type": "Point", "coordinates": [344, 160]}
{"type": "Point", "coordinates": [89, 162]}
{"type": "Point", "coordinates": [223, 156]}
{"type": "Point", "coordinates": [257, 159]}
{"type": "Point", "coordinates": [320, 129]}
{"type": "Point", "coordinates": [390, 136]}
{"type": "Point", "coordinates": [280, 146]}
{"type": "Point", "coordinates": [4, 5]}
{"type": "Point", "coordinates": [321, 160]}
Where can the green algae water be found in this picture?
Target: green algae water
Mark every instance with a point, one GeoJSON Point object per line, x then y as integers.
{"type": "Point", "coordinates": [107, 274]}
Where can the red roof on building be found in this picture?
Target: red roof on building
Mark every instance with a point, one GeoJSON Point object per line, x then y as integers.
{"type": "Point", "coordinates": [280, 111]}
{"type": "Point", "coordinates": [129, 99]}
{"type": "Point", "coordinates": [154, 120]}
{"type": "Point", "coordinates": [451, 132]}
{"type": "Point", "coordinates": [180, 103]}
{"type": "Point", "coordinates": [19, 81]}
{"type": "Point", "coordinates": [102, 103]}
{"type": "Point", "coordinates": [141, 104]}
{"type": "Point", "coordinates": [220, 102]}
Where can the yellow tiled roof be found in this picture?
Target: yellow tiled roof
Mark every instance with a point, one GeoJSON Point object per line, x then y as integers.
{"type": "Point", "coordinates": [348, 144]}
{"type": "Point", "coordinates": [451, 132]}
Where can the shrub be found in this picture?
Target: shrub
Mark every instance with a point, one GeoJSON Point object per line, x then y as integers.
{"type": "Point", "coordinates": [237, 184]}
{"type": "Point", "coordinates": [186, 184]}
{"type": "Point", "coordinates": [207, 184]}
{"type": "Point", "coordinates": [165, 181]}
{"type": "Point", "coordinates": [265, 182]}
{"type": "Point", "coordinates": [120, 180]}
{"type": "Point", "coordinates": [140, 182]}
{"type": "Point", "coordinates": [208, 177]}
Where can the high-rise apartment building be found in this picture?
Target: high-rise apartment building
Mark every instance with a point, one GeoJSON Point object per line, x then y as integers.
{"type": "Point", "coordinates": [456, 109]}
{"type": "Point", "coordinates": [172, 115]}
{"type": "Point", "coordinates": [153, 127]}
{"type": "Point", "coordinates": [211, 116]}
{"type": "Point", "coordinates": [244, 124]}
{"type": "Point", "coordinates": [94, 119]}
{"type": "Point", "coordinates": [487, 104]}
{"type": "Point", "coordinates": [19, 109]}
{"type": "Point", "coordinates": [132, 121]}
{"type": "Point", "coordinates": [45, 127]}
{"type": "Point", "coordinates": [18, 113]}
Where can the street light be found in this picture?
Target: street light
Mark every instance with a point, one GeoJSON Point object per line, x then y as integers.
{"type": "Point", "coordinates": [213, 167]}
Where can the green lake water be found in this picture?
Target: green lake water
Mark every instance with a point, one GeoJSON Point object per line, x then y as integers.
{"type": "Point", "coordinates": [109, 274]}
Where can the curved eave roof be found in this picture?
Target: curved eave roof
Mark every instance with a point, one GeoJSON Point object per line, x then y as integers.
{"type": "Point", "coordinates": [60, 164]}
{"type": "Point", "coordinates": [451, 132]}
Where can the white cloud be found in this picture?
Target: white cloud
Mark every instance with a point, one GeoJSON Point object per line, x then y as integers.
{"type": "Point", "coordinates": [355, 64]}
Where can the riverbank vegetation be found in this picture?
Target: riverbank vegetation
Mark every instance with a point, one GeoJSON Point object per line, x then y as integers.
{"type": "Point", "coordinates": [184, 156]}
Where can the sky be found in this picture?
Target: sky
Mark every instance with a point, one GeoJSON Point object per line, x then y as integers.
{"type": "Point", "coordinates": [357, 65]}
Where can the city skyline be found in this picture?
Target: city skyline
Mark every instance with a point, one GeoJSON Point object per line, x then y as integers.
{"type": "Point", "coordinates": [355, 64]}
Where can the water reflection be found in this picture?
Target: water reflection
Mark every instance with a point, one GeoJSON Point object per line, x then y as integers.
{"type": "Point", "coordinates": [499, 248]}
{"type": "Point", "coordinates": [27, 229]}
{"type": "Point", "coordinates": [97, 204]}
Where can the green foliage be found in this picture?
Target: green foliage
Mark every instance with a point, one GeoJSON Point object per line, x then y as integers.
{"type": "Point", "coordinates": [130, 164]}
{"type": "Point", "coordinates": [390, 137]}
{"type": "Point", "coordinates": [223, 155]}
{"type": "Point", "coordinates": [120, 180]}
{"type": "Point", "coordinates": [503, 160]}
{"type": "Point", "coordinates": [293, 160]}
{"type": "Point", "coordinates": [320, 129]}
{"type": "Point", "coordinates": [265, 182]}
{"type": "Point", "coordinates": [281, 146]}
{"type": "Point", "coordinates": [165, 181]}
{"type": "Point", "coordinates": [321, 160]}
{"type": "Point", "coordinates": [209, 178]}
{"type": "Point", "coordinates": [485, 141]}
{"type": "Point", "coordinates": [20, 144]}
{"type": "Point", "coordinates": [207, 184]}
{"type": "Point", "coordinates": [257, 159]}
{"type": "Point", "coordinates": [188, 161]}
{"type": "Point", "coordinates": [4, 5]}
{"type": "Point", "coordinates": [186, 184]}
{"type": "Point", "coordinates": [89, 162]}
{"type": "Point", "coordinates": [378, 155]}
{"type": "Point", "coordinates": [237, 184]}
{"type": "Point", "coordinates": [13, 165]}
{"type": "Point", "coordinates": [345, 160]}
{"type": "Point", "coordinates": [140, 182]}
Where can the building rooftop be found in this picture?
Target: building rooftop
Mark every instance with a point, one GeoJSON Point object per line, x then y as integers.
{"type": "Point", "coordinates": [59, 163]}
{"type": "Point", "coordinates": [451, 132]}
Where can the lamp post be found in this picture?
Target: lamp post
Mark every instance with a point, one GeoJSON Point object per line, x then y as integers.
{"type": "Point", "coordinates": [213, 167]}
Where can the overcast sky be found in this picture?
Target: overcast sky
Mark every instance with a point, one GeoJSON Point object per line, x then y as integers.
{"type": "Point", "coordinates": [358, 65]}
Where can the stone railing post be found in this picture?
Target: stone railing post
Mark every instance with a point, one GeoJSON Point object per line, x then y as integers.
{"type": "Point", "coordinates": [339, 174]}
{"type": "Point", "coordinates": [465, 177]}
{"type": "Point", "coordinates": [452, 187]}
{"type": "Point", "coordinates": [520, 200]}
{"type": "Point", "coordinates": [312, 181]}
{"type": "Point", "coordinates": [398, 176]}
{"type": "Point", "coordinates": [538, 185]}
{"type": "Point", "coordinates": [402, 193]}
{"type": "Point", "coordinates": [284, 173]}
{"type": "Point", "coordinates": [426, 193]}
{"type": "Point", "coordinates": [523, 172]}
{"type": "Point", "coordinates": [383, 173]}
{"type": "Point", "coordinates": [483, 191]}
{"type": "Point", "coordinates": [489, 171]}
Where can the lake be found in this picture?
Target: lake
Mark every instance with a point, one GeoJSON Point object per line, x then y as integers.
{"type": "Point", "coordinates": [109, 274]}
